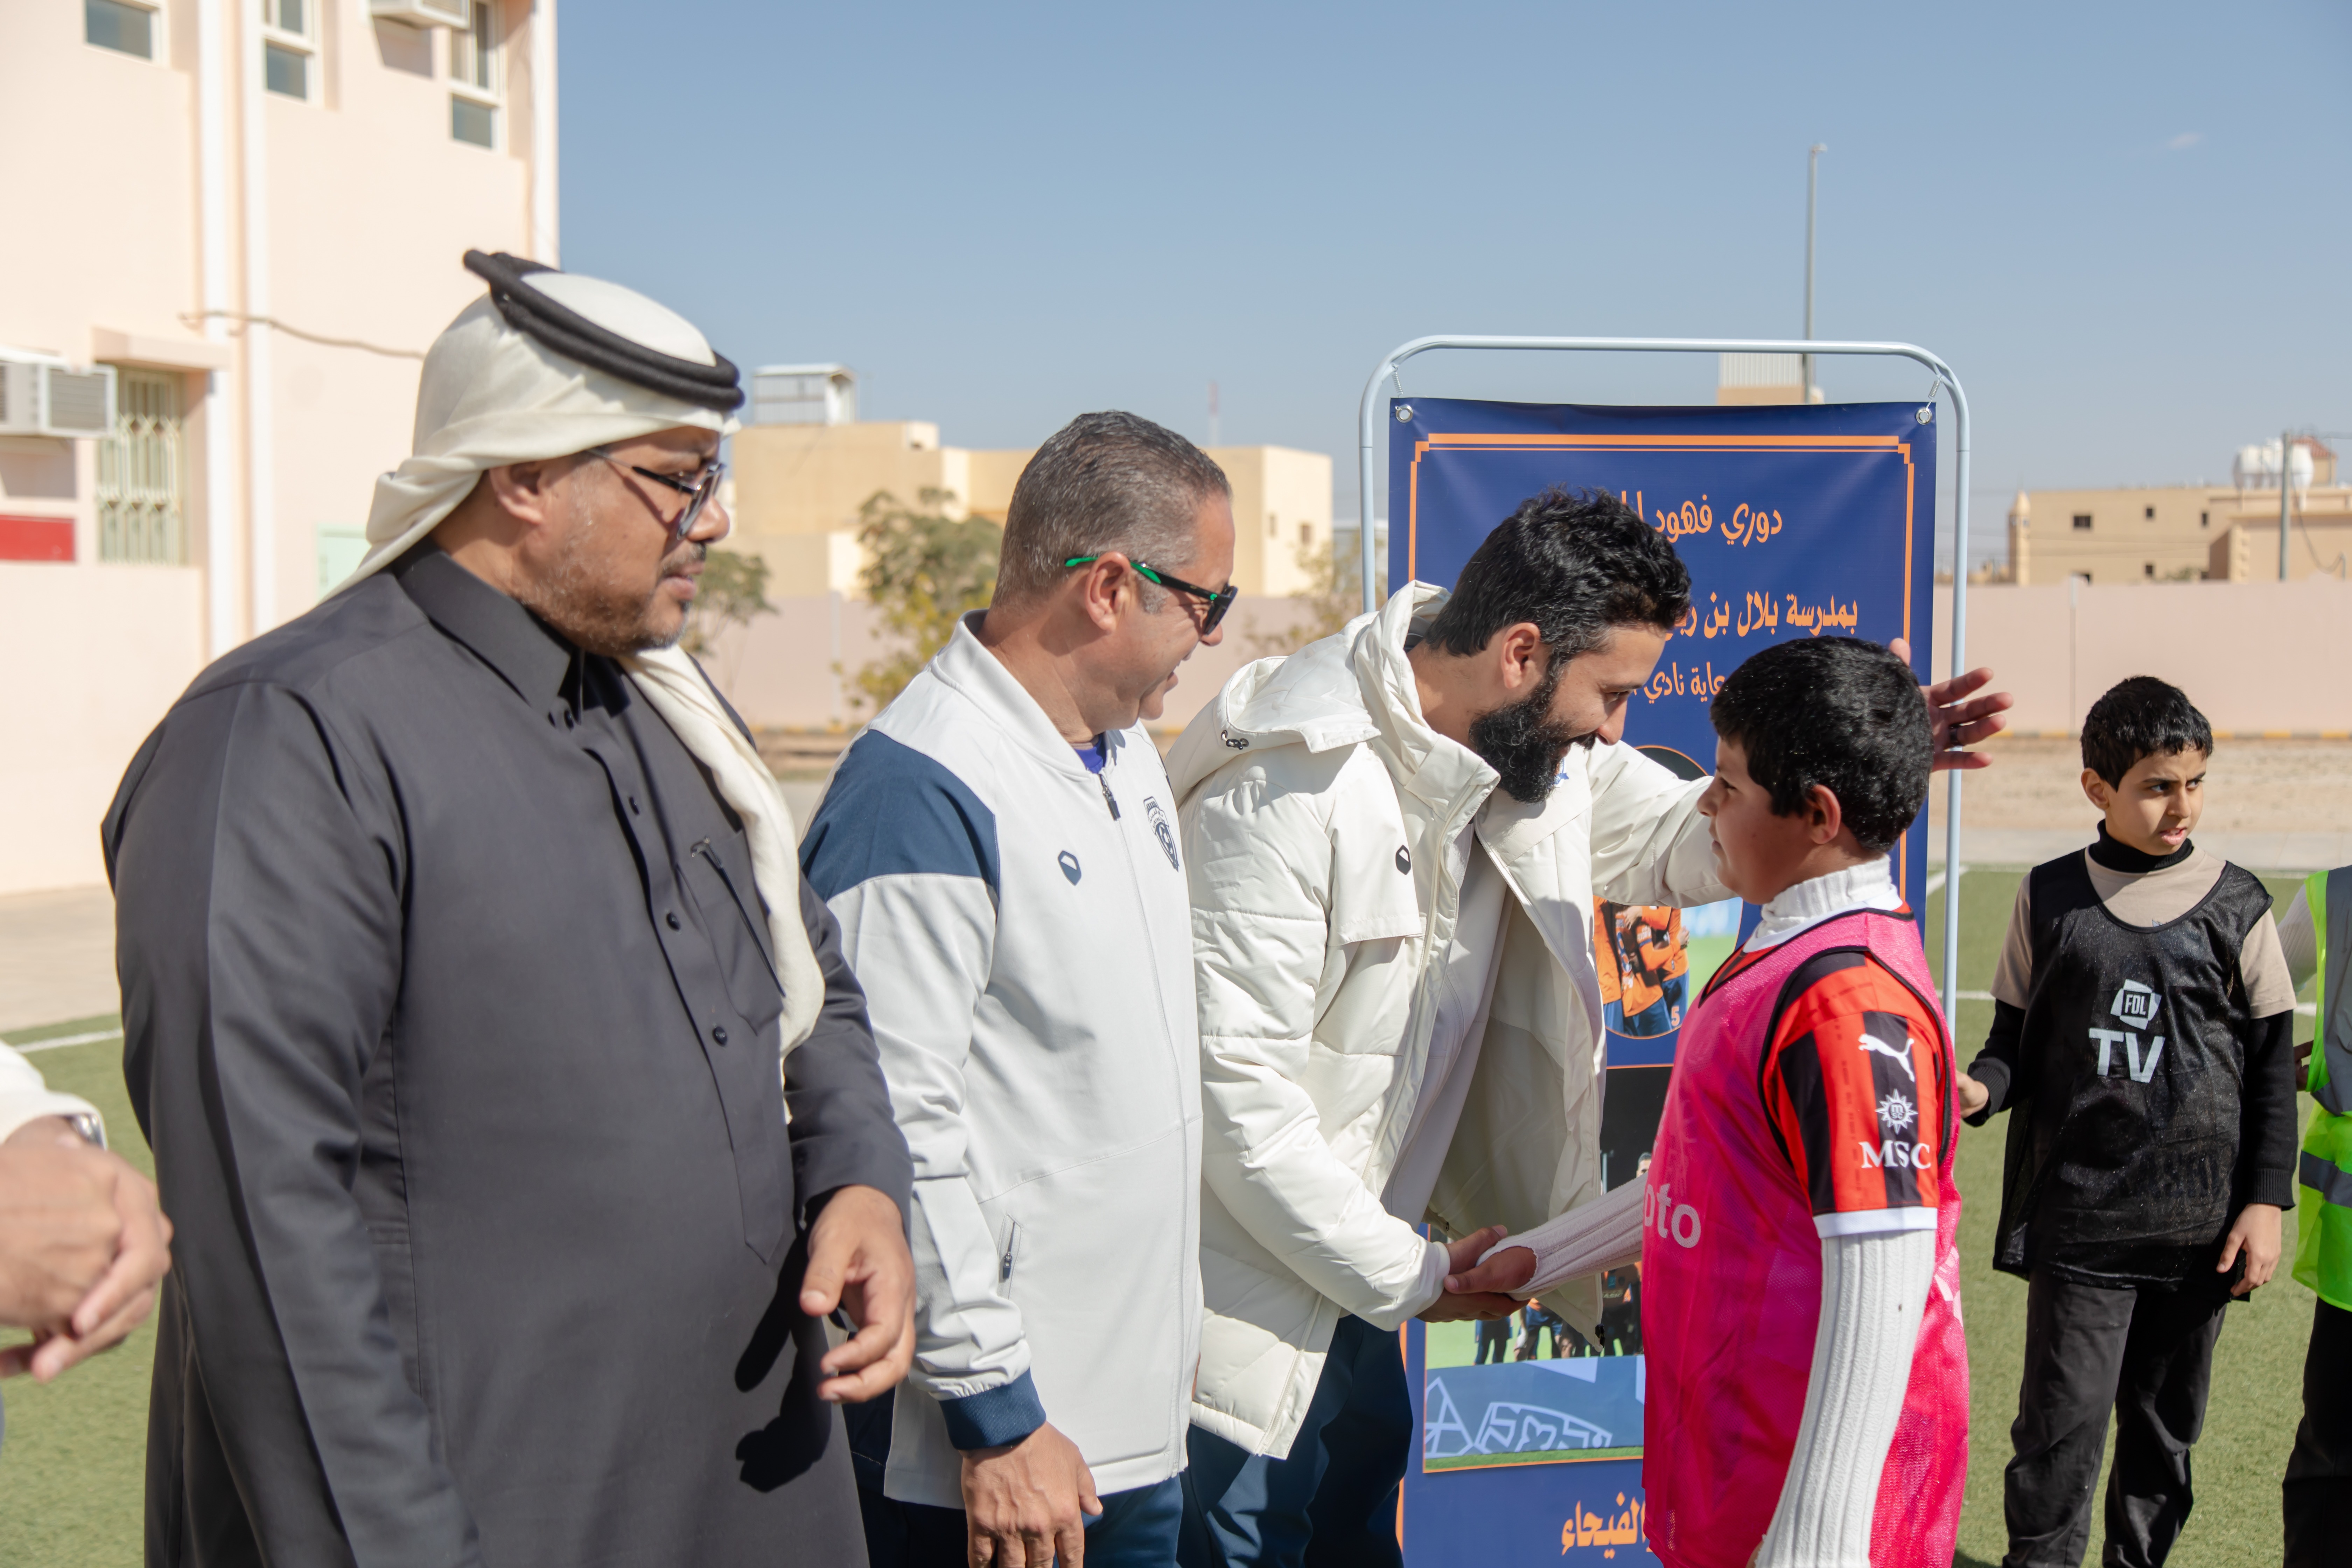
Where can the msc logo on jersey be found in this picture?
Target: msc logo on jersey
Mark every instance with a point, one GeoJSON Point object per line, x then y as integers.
{"type": "Point", "coordinates": [1159, 826]}
{"type": "Point", "coordinates": [1895, 1154]}
{"type": "Point", "coordinates": [2135, 1007]}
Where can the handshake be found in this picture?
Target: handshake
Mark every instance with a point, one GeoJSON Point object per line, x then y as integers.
{"type": "Point", "coordinates": [1477, 1286]}
{"type": "Point", "coordinates": [1489, 1277]}
{"type": "Point", "coordinates": [82, 1245]}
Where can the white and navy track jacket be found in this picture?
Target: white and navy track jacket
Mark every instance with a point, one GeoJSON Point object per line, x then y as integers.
{"type": "Point", "coordinates": [1022, 930]}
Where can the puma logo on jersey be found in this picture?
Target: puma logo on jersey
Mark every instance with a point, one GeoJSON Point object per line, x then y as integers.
{"type": "Point", "coordinates": [1902, 1059]}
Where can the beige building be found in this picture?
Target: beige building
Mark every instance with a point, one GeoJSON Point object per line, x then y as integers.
{"type": "Point", "coordinates": [798, 487]}
{"type": "Point", "coordinates": [236, 225]}
{"type": "Point", "coordinates": [2155, 533]}
{"type": "Point", "coordinates": [1744, 378]}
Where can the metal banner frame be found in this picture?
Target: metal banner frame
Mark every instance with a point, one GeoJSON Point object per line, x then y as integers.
{"type": "Point", "coordinates": [1368, 421]}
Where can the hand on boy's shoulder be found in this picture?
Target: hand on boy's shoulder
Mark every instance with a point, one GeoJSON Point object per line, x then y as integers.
{"type": "Point", "coordinates": [1956, 717]}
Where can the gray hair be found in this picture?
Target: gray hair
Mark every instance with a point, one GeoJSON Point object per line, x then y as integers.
{"type": "Point", "coordinates": [1105, 483]}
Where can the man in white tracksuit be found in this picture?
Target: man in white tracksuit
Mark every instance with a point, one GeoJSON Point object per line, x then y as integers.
{"type": "Point", "coordinates": [1395, 838]}
{"type": "Point", "coordinates": [1000, 851]}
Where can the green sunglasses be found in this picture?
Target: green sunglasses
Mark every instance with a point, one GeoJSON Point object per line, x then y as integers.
{"type": "Point", "coordinates": [1218, 600]}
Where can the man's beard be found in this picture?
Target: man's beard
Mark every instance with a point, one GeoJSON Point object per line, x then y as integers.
{"type": "Point", "coordinates": [1522, 745]}
{"type": "Point", "coordinates": [599, 617]}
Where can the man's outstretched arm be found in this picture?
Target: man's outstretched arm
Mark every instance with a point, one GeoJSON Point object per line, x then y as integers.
{"type": "Point", "coordinates": [1957, 716]}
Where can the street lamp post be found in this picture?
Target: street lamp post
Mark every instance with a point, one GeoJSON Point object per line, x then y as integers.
{"type": "Point", "coordinates": [1812, 197]}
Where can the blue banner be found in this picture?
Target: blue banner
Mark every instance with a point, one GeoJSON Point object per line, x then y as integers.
{"type": "Point", "coordinates": [1800, 520]}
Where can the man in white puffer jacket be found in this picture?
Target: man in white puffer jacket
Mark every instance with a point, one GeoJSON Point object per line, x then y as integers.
{"type": "Point", "coordinates": [1394, 838]}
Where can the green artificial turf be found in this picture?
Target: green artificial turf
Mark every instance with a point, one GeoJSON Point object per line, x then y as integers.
{"type": "Point", "coordinates": [73, 1466]}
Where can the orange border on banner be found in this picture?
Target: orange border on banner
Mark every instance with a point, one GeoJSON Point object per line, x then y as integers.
{"type": "Point", "coordinates": [1860, 446]}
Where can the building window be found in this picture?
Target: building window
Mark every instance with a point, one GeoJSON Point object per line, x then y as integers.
{"type": "Point", "coordinates": [1306, 535]}
{"type": "Point", "coordinates": [2147, 569]}
{"type": "Point", "coordinates": [2204, 519]}
{"type": "Point", "coordinates": [140, 513]}
{"type": "Point", "coordinates": [2151, 514]}
{"type": "Point", "coordinates": [112, 24]}
{"type": "Point", "coordinates": [474, 122]}
{"type": "Point", "coordinates": [474, 79]}
{"type": "Point", "coordinates": [2083, 520]}
{"type": "Point", "coordinates": [288, 40]}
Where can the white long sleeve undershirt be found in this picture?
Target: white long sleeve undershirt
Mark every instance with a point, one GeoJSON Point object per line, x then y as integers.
{"type": "Point", "coordinates": [1873, 1293]}
{"type": "Point", "coordinates": [1590, 1238]}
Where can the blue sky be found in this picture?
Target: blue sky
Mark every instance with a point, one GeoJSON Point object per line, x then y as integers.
{"type": "Point", "coordinates": [2126, 228]}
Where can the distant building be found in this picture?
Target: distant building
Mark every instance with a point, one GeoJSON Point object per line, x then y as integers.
{"type": "Point", "coordinates": [799, 483]}
{"type": "Point", "coordinates": [1744, 378]}
{"type": "Point", "coordinates": [235, 226]}
{"type": "Point", "coordinates": [2155, 533]}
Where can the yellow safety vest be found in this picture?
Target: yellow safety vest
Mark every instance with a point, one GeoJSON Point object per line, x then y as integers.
{"type": "Point", "coordinates": [2323, 1257]}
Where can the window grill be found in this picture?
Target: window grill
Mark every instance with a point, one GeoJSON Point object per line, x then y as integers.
{"type": "Point", "coordinates": [140, 469]}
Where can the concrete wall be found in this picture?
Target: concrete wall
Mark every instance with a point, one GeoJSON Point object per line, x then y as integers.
{"type": "Point", "coordinates": [779, 672]}
{"type": "Point", "coordinates": [98, 653]}
{"type": "Point", "coordinates": [2256, 657]}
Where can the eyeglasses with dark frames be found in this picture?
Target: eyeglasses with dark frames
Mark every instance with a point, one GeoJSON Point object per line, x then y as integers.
{"type": "Point", "coordinates": [697, 490]}
{"type": "Point", "coordinates": [1218, 600]}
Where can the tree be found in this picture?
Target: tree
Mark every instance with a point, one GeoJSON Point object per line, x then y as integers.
{"type": "Point", "coordinates": [925, 570]}
{"type": "Point", "coordinates": [1333, 596]}
{"type": "Point", "coordinates": [731, 591]}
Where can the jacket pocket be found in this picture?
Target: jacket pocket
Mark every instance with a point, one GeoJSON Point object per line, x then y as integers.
{"type": "Point", "coordinates": [752, 982]}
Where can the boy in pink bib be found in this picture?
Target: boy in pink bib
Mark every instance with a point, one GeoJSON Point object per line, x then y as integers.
{"type": "Point", "coordinates": [1808, 1389]}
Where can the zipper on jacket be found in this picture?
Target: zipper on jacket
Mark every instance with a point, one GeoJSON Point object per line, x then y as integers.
{"type": "Point", "coordinates": [1004, 1267]}
{"type": "Point", "coordinates": [1109, 799]}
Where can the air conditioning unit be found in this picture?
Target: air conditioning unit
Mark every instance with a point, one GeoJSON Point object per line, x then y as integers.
{"type": "Point", "coordinates": [424, 13]}
{"type": "Point", "coordinates": [45, 397]}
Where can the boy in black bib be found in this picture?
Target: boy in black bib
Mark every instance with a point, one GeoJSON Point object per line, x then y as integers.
{"type": "Point", "coordinates": [2143, 1041]}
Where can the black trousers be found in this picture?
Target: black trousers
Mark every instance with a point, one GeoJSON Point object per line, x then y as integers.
{"type": "Point", "coordinates": [2147, 1356]}
{"type": "Point", "coordinates": [2317, 1492]}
